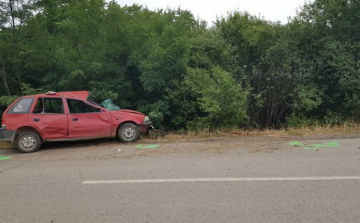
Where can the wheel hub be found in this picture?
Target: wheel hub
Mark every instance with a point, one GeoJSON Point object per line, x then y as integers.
{"type": "Point", "coordinates": [28, 142]}
{"type": "Point", "coordinates": [129, 133]}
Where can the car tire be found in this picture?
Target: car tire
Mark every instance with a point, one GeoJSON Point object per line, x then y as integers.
{"type": "Point", "coordinates": [128, 132]}
{"type": "Point", "coordinates": [28, 142]}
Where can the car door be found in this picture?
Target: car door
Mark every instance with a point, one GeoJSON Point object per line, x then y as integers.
{"type": "Point", "coordinates": [49, 119]}
{"type": "Point", "coordinates": [87, 121]}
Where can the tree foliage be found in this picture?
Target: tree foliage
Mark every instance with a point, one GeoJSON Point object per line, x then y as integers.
{"type": "Point", "coordinates": [242, 72]}
{"type": "Point", "coordinates": [219, 97]}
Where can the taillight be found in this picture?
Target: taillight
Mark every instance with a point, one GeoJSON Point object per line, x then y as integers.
{"type": "Point", "coordinates": [3, 124]}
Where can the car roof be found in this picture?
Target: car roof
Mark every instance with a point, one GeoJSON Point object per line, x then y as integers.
{"type": "Point", "coordinates": [83, 95]}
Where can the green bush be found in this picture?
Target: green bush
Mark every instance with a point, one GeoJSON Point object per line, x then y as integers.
{"type": "Point", "coordinates": [297, 121]}
{"type": "Point", "coordinates": [222, 101]}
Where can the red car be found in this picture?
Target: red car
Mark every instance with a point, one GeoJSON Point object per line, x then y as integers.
{"type": "Point", "coordinates": [66, 116]}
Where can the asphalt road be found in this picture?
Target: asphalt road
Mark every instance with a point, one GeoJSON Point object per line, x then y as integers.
{"type": "Point", "coordinates": [264, 179]}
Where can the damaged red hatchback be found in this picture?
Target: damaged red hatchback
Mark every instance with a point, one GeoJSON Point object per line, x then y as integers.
{"type": "Point", "coordinates": [67, 116]}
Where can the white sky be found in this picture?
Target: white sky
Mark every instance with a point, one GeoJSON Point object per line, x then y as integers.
{"type": "Point", "coordinates": [273, 10]}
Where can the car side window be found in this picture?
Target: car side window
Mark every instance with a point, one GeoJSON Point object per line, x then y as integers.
{"type": "Point", "coordinates": [49, 105]}
{"type": "Point", "coordinates": [22, 106]}
{"type": "Point", "coordinates": [39, 108]}
{"type": "Point", "coordinates": [77, 106]}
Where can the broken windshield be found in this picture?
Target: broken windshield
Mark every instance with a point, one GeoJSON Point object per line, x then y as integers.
{"type": "Point", "coordinates": [109, 105]}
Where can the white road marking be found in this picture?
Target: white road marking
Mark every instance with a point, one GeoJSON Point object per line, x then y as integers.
{"type": "Point", "coordinates": [235, 179]}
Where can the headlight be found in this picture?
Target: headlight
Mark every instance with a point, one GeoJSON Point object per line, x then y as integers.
{"type": "Point", "coordinates": [146, 119]}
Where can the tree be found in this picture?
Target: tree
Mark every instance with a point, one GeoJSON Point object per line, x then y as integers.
{"type": "Point", "coordinates": [331, 52]}
{"type": "Point", "coordinates": [13, 16]}
{"type": "Point", "coordinates": [220, 98]}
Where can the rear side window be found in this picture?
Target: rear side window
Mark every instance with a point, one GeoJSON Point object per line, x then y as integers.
{"type": "Point", "coordinates": [76, 106]}
{"type": "Point", "coordinates": [22, 106]}
{"type": "Point", "coordinates": [49, 105]}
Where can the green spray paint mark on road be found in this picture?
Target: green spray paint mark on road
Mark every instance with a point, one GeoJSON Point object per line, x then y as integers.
{"type": "Point", "coordinates": [5, 158]}
{"type": "Point", "coordinates": [332, 144]}
{"type": "Point", "coordinates": [154, 146]}
{"type": "Point", "coordinates": [314, 146]}
{"type": "Point", "coordinates": [297, 143]}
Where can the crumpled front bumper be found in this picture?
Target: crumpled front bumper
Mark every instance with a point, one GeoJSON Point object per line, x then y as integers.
{"type": "Point", "coordinates": [146, 126]}
{"type": "Point", "coordinates": [6, 135]}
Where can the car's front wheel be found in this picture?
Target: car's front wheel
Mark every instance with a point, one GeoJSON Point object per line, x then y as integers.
{"type": "Point", "coordinates": [128, 132]}
{"type": "Point", "coordinates": [28, 142]}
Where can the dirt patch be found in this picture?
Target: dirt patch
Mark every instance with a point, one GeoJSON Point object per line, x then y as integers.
{"type": "Point", "coordinates": [266, 150]}
{"type": "Point", "coordinates": [233, 143]}
{"type": "Point", "coordinates": [220, 145]}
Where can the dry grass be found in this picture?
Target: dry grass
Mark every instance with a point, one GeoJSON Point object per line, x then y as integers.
{"type": "Point", "coordinates": [304, 131]}
{"type": "Point", "coordinates": [325, 131]}
{"type": "Point", "coordinates": [5, 145]}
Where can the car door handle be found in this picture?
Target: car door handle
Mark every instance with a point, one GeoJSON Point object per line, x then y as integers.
{"type": "Point", "coordinates": [36, 119]}
{"type": "Point", "coordinates": [75, 119]}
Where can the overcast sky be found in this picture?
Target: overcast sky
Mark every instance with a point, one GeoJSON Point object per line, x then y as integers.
{"type": "Point", "coordinates": [273, 10]}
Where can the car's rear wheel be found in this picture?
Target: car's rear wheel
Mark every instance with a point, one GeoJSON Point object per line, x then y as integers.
{"type": "Point", "coordinates": [128, 132]}
{"type": "Point", "coordinates": [28, 142]}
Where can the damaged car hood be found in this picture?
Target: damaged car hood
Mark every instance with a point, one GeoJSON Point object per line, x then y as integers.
{"type": "Point", "coordinates": [126, 111]}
